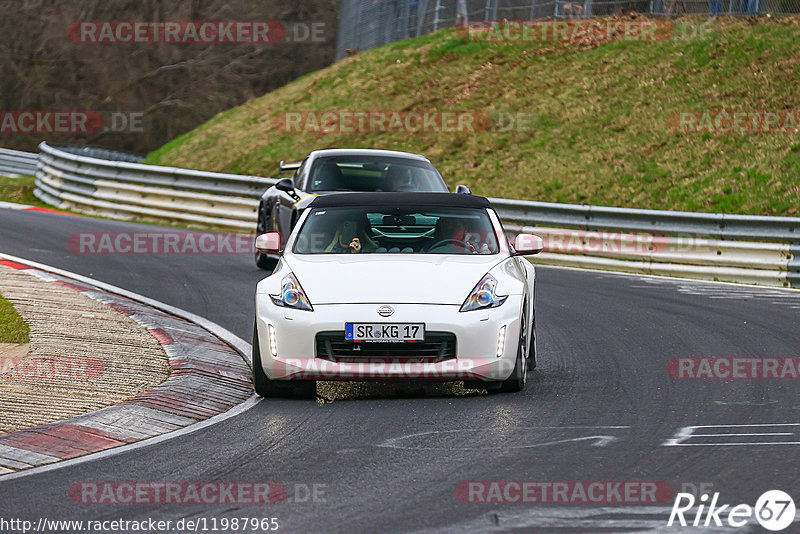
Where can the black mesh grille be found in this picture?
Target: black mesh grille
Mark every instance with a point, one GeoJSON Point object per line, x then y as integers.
{"type": "Point", "coordinates": [437, 347]}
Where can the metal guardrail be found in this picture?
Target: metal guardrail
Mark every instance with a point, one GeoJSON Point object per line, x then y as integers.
{"type": "Point", "coordinates": [102, 153]}
{"type": "Point", "coordinates": [121, 189]}
{"type": "Point", "coordinates": [750, 262]}
{"type": "Point", "coordinates": [734, 248]}
{"type": "Point", "coordinates": [709, 246]}
{"type": "Point", "coordinates": [14, 163]}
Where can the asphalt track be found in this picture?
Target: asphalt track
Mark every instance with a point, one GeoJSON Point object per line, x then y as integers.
{"type": "Point", "coordinates": [600, 407]}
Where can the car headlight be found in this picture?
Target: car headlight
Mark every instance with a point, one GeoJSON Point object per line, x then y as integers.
{"type": "Point", "coordinates": [292, 295]}
{"type": "Point", "coordinates": [484, 295]}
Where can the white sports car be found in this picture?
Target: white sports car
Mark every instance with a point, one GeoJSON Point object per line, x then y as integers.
{"type": "Point", "coordinates": [395, 286]}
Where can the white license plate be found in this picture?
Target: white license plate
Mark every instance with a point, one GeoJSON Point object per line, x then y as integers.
{"type": "Point", "coordinates": [385, 332]}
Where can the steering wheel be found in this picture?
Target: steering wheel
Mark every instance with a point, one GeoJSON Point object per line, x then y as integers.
{"type": "Point", "coordinates": [443, 242]}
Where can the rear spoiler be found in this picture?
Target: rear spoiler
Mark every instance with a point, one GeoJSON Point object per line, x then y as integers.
{"type": "Point", "coordinates": [291, 166]}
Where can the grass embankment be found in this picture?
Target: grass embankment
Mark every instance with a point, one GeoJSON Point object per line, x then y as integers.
{"type": "Point", "coordinates": [19, 190]}
{"type": "Point", "coordinates": [601, 113]}
{"type": "Point", "coordinates": [13, 328]}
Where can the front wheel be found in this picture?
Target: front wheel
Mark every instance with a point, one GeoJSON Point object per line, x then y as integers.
{"type": "Point", "coordinates": [266, 387]}
{"type": "Point", "coordinates": [519, 376]}
{"type": "Point", "coordinates": [532, 345]}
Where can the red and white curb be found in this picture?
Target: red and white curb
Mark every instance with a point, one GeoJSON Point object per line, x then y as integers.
{"type": "Point", "coordinates": [209, 378]}
{"type": "Point", "coordinates": [25, 207]}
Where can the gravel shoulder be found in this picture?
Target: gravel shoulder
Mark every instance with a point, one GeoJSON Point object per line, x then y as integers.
{"type": "Point", "coordinates": [83, 355]}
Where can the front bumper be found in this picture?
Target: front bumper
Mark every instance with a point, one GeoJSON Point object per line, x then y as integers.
{"type": "Point", "coordinates": [476, 335]}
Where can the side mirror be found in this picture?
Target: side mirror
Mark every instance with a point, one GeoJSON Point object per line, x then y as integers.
{"type": "Point", "coordinates": [286, 185]}
{"type": "Point", "coordinates": [462, 189]}
{"type": "Point", "coordinates": [526, 244]}
{"type": "Point", "coordinates": [269, 243]}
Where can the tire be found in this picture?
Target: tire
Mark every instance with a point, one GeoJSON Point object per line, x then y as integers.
{"type": "Point", "coordinates": [262, 260]}
{"type": "Point", "coordinates": [266, 387]}
{"type": "Point", "coordinates": [519, 376]}
{"type": "Point", "coordinates": [532, 345]}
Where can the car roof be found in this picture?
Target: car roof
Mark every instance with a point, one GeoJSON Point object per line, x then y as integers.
{"type": "Point", "coordinates": [392, 199]}
{"type": "Point", "coordinates": [364, 152]}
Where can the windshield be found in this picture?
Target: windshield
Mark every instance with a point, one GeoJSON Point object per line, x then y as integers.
{"type": "Point", "coordinates": [374, 173]}
{"type": "Point", "coordinates": [405, 230]}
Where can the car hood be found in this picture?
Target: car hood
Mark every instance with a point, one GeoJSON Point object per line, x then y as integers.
{"type": "Point", "coordinates": [389, 278]}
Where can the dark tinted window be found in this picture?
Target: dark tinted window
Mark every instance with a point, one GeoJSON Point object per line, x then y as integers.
{"type": "Point", "coordinates": [406, 230]}
{"type": "Point", "coordinates": [373, 173]}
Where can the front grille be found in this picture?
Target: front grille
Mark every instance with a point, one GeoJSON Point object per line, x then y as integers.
{"type": "Point", "coordinates": [437, 347]}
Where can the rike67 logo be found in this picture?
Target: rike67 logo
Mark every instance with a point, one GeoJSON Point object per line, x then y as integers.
{"type": "Point", "coordinates": [774, 510]}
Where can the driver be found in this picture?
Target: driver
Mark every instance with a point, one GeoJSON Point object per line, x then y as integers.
{"type": "Point", "coordinates": [399, 179]}
{"type": "Point", "coordinates": [453, 235]}
{"type": "Point", "coordinates": [351, 238]}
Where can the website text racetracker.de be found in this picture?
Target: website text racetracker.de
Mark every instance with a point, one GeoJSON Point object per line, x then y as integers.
{"type": "Point", "coordinates": [50, 122]}
{"type": "Point", "coordinates": [71, 122]}
{"type": "Point", "coordinates": [196, 524]}
{"type": "Point", "coordinates": [564, 492]}
{"type": "Point", "coordinates": [196, 31]}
